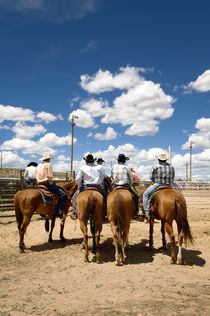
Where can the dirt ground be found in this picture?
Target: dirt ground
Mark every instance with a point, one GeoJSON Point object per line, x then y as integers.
{"type": "Point", "coordinates": [53, 279]}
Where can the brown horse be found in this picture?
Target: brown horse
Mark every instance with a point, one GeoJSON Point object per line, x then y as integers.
{"type": "Point", "coordinates": [170, 205]}
{"type": "Point", "coordinates": [120, 209]}
{"type": "Point", "coordinates": [90, 205]}
{"type": "Point", "coordinates": [29, 201]}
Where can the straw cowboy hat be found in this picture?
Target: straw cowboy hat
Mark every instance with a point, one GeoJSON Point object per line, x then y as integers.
{"type": "Point", "coordinates": [162, 156]}
{"type": "Point", "coordinates": [89, 158]}
{"type": "Point", "coordinates": [122, 158]}
{"type": "Point", "coordinates": [46, 157]}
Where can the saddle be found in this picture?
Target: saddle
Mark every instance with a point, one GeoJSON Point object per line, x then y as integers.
{"type": "Point", "coordinates": [48, 198]}
{"type": "Point", "coordinates": [153, 195]}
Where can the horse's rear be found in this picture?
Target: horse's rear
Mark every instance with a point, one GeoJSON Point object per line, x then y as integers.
{"type": "Point", "coordinates": [170, 205]}
{"type": "Point", "coordinates": [91, 203]}
{"type": "Point", "coordinates": [120, 209]}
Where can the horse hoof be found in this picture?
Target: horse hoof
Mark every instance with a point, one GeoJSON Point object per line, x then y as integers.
{"type": "Point", "coordinates": [63, 239]}
{"type": "Point", "coordinates": [86, 260]}
{"type": "Point", "coordinates": [22, 246]}
{"type": "Point", "coordinates": [179, 261]}
{"type": "Point", "coordinates": [50, 240]}
{"type": "Point", "coordinates": [98, 261]}
{"type": "Point", "coordinates": [172, 261]}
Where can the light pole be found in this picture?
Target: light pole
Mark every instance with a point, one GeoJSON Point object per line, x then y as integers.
{"type": "Point", "coordinates": [72, 140]}
{"type": "Point", "coordinates": [191, 160]}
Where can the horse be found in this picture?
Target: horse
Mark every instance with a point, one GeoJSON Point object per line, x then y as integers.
{"type": "Point", "coordinates": [90, 204]}
{"type": "Point", "coordinates": [170, 205]}
{"type": "Point", "coordinates": [29, 201]}
{"type": "Point", "coordinates": [120, 209]}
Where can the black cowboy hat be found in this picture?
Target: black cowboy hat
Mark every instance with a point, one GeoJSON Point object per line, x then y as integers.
{"type": "Point", "coordinates": [34, 164]}
{"type": "Point", "coordinates": [100, 159]}
{"type": "Point", "coordinates": [122, 158]}
{"type": "Point", "coordinates": [89, 158]}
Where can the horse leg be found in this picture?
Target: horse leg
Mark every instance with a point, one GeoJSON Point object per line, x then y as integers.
{"type": "Point", "coordinates": [180, 239]}
{"type": "Point", "coordinates": [170, 232]}
{"type": "Point", "coordinates": [124, 241]}
{"type": "Point", "coordinates": [83, 227]}
{"type": "Point", "coordinates": [164, 244]}
{"type": "Point", "coordinates": [92, 230]}
{"type": "Point", "coordinates": [115, 240]}
{"type": "Point", "coordinates": [62, 223]}
{"type": "Point", "coordinates": [151, 229]}
{"type": "Point", "coordinates": [51, 229]}
{"type": "Point", "coordinates": [98, 229]}
{"type": "Point", "coordinates": [22, 230]}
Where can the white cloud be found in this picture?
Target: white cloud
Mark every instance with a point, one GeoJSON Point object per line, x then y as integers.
{"type": "Point", "coordinates": [26, 146]}
{"type": "Point", "coordinates": [202, 83]}
{"type": "Point", "coordinates": [46, 117]}
{"type": "Point", "coordinates": [104, 81]}
{"type": "Point", "coordinates": [51, 139]}
{"type": "Point", "coordinates": [25, 131]}
{"type": "Point", "coordinates": [84, 118]}
{"type": "Point", "coordinates": [91, 46]}
{"type": "Point", "coordinates": [12, 113]}
{"type": "Point", "coordinates": [12, 160]}
{"type": "Point", "coordinates": [109, 134]}
{"type": "Point", "coordinates": [201, 139]}
{"type": "Point", "coordinates": [141, 106]}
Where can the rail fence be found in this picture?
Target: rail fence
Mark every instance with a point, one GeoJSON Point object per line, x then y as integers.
{"type": "Point", "coordinates": [8, 188]}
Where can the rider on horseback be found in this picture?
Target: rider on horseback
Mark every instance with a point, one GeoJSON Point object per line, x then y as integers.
{"type": "Point", "coordinates": [44, 176]}
{"type": "Point", "coordinates": [122, 176]}
{"type": "Point", "coordinates": [91, 175]}
{"type": "Point", "coordinates": [161, 174]}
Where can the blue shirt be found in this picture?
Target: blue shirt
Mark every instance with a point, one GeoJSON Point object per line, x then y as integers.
{"type": "Point", "coordinates": [162, 173]}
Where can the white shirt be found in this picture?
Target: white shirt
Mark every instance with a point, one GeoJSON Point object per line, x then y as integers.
{"type": "Point", "coordinates": [102, 172]}
{"type": "Point", "coordinates": [89, 174]}
{"type": "Point", "coordinates": [30, 172]}
{"type": "Point", "coordinates": [121, 174]}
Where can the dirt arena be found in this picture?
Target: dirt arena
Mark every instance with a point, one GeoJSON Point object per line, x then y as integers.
{"type": "Point", "coordinates": [53, 279]}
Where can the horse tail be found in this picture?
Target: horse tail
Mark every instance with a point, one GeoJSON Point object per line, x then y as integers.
{"type": "Point", "coordinates": [91, 204]}
{"type": "Point", "coordinates": [118, 204]}
{"type": "Point", "coordinates": [181, 209]}
{"type": "Point", "coordinates": [18, 213]}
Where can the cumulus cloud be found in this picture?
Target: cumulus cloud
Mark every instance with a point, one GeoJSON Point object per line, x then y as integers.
{"type": "Point", "coordinates": [84, 118]}
{"type": "Point", "coordinates": [52, 139]}
{"type": "Point", "coordinates": [201, 139]}
{"type": "Point", "coordinates": [109, 134]}
{"type": "Point", "coordinates": [12, 113]}
{"type": "Point", "coordinates": [202, 83]}
{"type": "Point", "coordinates": [25, 131]}
{"type": "Point", "coordinates": [141, 105]}
{"type": "Point", "coordinates": [26, 146]}
{"type": "Point", "coordinates": [46, 117]}
{"type": "Point", "coordinates": [12, 160]}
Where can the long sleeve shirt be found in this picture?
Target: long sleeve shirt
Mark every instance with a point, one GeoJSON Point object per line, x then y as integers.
{"type": "Point", "coordinates": [121, 174]}
{"type": "Point", "coordinates": [30, 172]}
{"type": "Point", "coordinates": [90, 174]}
{"type": "Point", "coordinates": [162, 173]}
{"type": "Point", "coordinates": [44, 172]}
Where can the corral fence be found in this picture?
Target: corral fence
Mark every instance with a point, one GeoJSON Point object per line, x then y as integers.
{"type": "Point", "coordinates": [8, 188]}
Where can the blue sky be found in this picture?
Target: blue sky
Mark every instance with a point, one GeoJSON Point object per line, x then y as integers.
{"type": "Point", "coordinates": [136, 73]}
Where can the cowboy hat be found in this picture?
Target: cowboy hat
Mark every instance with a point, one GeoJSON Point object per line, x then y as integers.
{"type": "Point", "coordinates": [162, 156]}
{"type": "Point", "coordinates": [122, 158]}
{"type": "Point", "coordinates": [100, 159]}
{"type": "Point", "coordinates": [46, 157]}
{"type": "Point", "coordinates": [130, 166]}
{"type": "Point", "coordinates": [89, 158]}
{"type": "Point", "coordinates": [34, 164]}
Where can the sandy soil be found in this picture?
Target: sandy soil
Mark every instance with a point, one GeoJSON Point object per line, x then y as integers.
{"type": "Point", "coordinates": [53, 279]}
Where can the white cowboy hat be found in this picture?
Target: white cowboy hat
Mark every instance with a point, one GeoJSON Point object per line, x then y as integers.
{"type": "Point", "coordinates": [162, 156]}
{"type": "Point", "coordinates": [46, 156]}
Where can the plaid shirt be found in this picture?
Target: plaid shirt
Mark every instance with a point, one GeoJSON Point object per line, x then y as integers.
{"type": "Point", "coordinates": [162, 173]}
{"type": "Point", "coordinates": [121, 174]}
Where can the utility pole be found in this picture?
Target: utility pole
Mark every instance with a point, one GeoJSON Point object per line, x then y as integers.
{"type": "Point", "coordinates": [72, 141]}
{"type": "Point", "coordinates": [169, 153]}
{"type": "Point", "coordinates": [191, 160]}
{"type": "Point", "coordinates": [186, 171]}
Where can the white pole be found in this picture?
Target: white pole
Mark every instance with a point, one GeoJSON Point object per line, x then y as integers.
{"type": "Point", "coordinates": [169, 153]}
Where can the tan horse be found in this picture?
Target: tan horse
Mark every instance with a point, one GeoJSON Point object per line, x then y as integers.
{"type": "Point", "coordinates": [90, 203]}
{"type": "Point", "coordinates": [170, 205]}
{"type": "Point", "coordinates": [120, 209]}
{"type": "Point", "coordinates": [29, 201]}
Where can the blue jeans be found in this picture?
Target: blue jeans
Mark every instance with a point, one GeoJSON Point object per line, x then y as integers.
{"type": "Point", "coordinates": [151, 189]}
{"type": "Point", "coordinates": [62, 195]}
